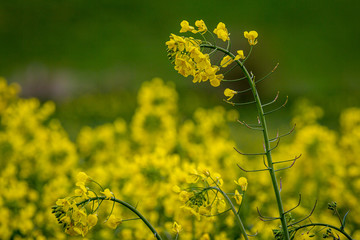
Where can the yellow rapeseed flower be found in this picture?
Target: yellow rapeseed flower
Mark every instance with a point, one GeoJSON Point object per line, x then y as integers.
{"type": "Point", "coordinates": [251, 37]}
{"type": "Point", "coordinates": [201, 27]}
{"type": "Point", "coordinates": [206, 236]}
{"type": "Point", "coordinates": [222, 32]}
{"type": "Point", "coordinates": [185, 196]}
{"type": "Point", "coordinates": [82, 177]}
{"type": "Point", "coordinates": [64, 203]}
{"type": "Point", "coordinates": [176, 189]}
{"type": "Point", "coordinates": [113, 222]}
{"type": "Point", "coordinates": [229, 93]}
{"type": "Point", "coordinates": [218, 179]}
{"type": "Point", "coordinates": [226, 61]}
{"type": "Point", "coordinates": [215, 81]}
{"type": "Point", "coordinates": [92, 220]}
{"type": "Point", "coordinates": [242, 182]}
{"type": "Point", "coordinates": [107, 193]}
{"type": "Point", "coordinates": [185, 27]}
{"type": "Point", "coordinates": [82, 190]}
{"type": "Point", "coordinates": [240, 55]}
{"type": "Point", "coordinates": [177, 228]}
{"type": "Point", "coordinates": [238, 197]}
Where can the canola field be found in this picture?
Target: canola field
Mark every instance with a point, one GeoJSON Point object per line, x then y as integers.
{"type": "Point", "coordinates": [145, 161]}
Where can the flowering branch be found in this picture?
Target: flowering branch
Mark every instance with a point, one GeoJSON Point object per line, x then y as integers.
{"type": "Point", "coordinates": [128, 206]}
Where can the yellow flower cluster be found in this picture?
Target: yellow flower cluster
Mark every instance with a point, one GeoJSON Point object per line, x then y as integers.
{"type": "Point", "coordinates": [75, 221]}
{"type": "Point", "coordinates": [36, 160]}
{"type": "Point", "coordinates": [189, 59]}
{"type": "Point", "coordinates": [72, 212]}
{"type": "Point", "coordinates": [201, 202]}
{"type": "Point", "coordinates": [185, 27]}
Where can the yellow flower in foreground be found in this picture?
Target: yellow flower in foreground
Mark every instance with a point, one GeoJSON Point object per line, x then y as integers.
{"type": "Point", "coordinates": [218, 179]}
{"type": "Point", "coordinates": [222, 32]}
{"type": "Point", "coordinates": [82, 190]}
{"type": "Point", "coordinates": [240, 55]}
{"type": "Point", "coordinates": [238, 197]}
{"type": "Point", "coordinates": [215, 81]}
{"type": "Point", "coordinates": [242, 182]}
{"type": "Point", "coordinates": [193, 176]}
{"type": "Point", "coordinates": [64, 203]}
{"type": "Point", "coordinates": [201, 26]}
{"type": "Point", "coordinates": [229, 93]}
{"type": "Point", "coordinates": [185, 196]}
{"type": "Point", "coordinates": [226, 61]}
{"type": "Point", "coordinates": [107, 193]}
{"type": "Point", "coordinates": [185, 27]}
{"type": "Point", "coordinates": [92, 220]}
{"type": "Point", "coordinates": [113, 222]}
{"type": "Point", "coordinates": [251, 37]}
{"type": "Point", "coordinates": [177, 228]}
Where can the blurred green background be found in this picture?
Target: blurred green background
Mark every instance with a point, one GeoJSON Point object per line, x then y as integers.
{"type": "Point", "coordinates": [91, 56]}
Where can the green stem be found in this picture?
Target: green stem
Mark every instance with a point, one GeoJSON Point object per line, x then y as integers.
{"type": "Point", "coordinates": [238, 219]}
{"type": "Point", "coordinates": [324, 225]}
{"type": "Point", "coordinates": [266, 139]}
{"type": "Point", "coordinates": [128, 206]}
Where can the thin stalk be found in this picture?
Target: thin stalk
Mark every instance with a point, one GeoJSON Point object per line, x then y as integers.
{"type": "Point", "coordinates": [237, 216]}
{"type": "Point", "coordinates": [131, 208]}
{"type": "Point", "coordinates": [268, 154]}
{"type": "Point", "coordinates": [266, 139]}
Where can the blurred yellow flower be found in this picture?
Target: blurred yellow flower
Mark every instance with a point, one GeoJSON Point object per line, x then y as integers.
{"type": "Point", "coordinates": [113, 222]}
{"type": "Point", "coordinates": [242, 182]}
{"type": "Point", "coordinates": [82, 190]}
{"type": "Point", "coordinates": [107, 193]}
{"type": "Point", "coordinates": [177, 228]}
{"type": "Point", "coordinates": [238, 197]}
{"type": "Point", "coordinates": [176, 189]}
{"type": "Point", "coordinates": [82, 177]}
{"type": "Point", "coordinates": [92, 220]}
{"type": "Point", "coordinates": [185, 196]}
{"type": "Point", "coordinates": [206, 236]}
